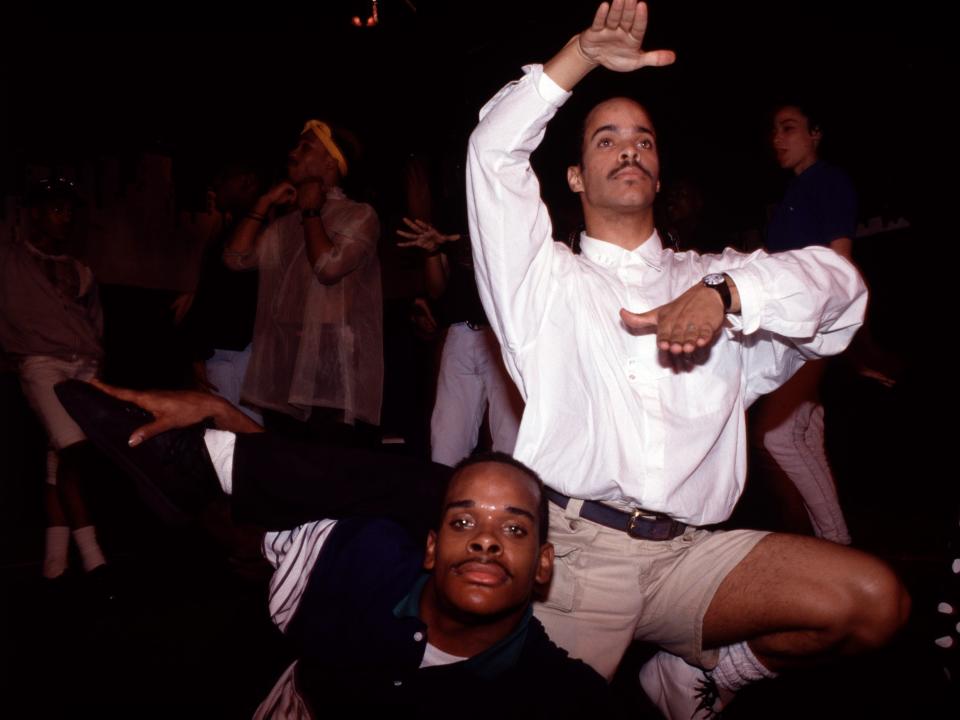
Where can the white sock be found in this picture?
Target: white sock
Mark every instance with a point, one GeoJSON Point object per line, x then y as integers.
{"type": "Point", "coordinates": [738, 667]}
{"type": "Point", "coordinates": [90, 552]}
{"type": "Point", "coordinates": [55, 551]}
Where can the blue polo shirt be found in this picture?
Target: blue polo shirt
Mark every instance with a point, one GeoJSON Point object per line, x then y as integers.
{"type": "Point", "coordinates": [819, 206]}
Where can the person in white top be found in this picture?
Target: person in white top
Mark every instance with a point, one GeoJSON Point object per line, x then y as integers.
{"type": "Point", "coordinates": [317, 353]}
{"type": "Point", "coordinates": [635, 419]}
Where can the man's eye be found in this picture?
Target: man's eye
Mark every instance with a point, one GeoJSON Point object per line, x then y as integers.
{"type": "Point", "coordinates": [461, 523]}
{"type": "Point", "coordinates": [516, 530]}
{"type": "Point", "coordinates": [645, 144]}
{"type": "Point", "coordinates": [604, 142]}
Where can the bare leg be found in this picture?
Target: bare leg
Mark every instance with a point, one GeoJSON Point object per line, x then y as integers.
{"type": "Point", "coordinates": [798, 599]}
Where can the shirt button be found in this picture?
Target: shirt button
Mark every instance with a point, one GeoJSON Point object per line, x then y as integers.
{"type": "Point", "coordinates": [418, 636]}
{"type": "Point", "coordinates": [632, 376]}
{"type": "Point", "coordinates": [397, 683]}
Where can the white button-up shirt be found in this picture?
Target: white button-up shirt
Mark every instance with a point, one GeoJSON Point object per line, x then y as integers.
{"type": "Point", "coordinates": [608, 415]}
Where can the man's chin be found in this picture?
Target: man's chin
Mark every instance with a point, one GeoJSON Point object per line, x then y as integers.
{"type": "Point", "coordinates": [480, 611]}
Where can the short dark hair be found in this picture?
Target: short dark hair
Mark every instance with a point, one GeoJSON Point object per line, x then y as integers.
{"type": "Point", "coordinates": [543, 513]}
{"type": "Point", "coordinates": [582, 135]}
{"type": "Point", "coordinates": [807, 107]}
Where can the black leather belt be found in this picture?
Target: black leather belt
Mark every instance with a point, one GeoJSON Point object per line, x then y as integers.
{"type": "Point", "coordinates": [639, 524]}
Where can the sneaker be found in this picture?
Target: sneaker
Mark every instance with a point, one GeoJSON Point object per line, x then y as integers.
{"type": "Point", "coordinates": [174, 475]}
{"type": "Point", "coordinates": [681, 691]}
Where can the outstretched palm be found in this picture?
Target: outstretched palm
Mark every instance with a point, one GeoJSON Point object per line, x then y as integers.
{"type": "Point", "coordinates": [615, 38]}
{"type": "Point", "coordinates": [424, 235]}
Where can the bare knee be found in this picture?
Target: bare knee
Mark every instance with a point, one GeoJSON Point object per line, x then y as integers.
{"type": "Point", "coordinates": [873, 606]}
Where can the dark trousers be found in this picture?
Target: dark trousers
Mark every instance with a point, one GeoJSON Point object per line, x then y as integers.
{"type": "Point", "coordinates": [325, 426]}
{"type": "Point", "coordinates": [279, 483]}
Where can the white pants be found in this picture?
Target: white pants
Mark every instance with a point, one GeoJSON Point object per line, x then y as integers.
{"type": "Point", "coordinates": [472, 377]}
{"type": "Point", "coordinates": [38, 375]}
{"type": "Point", "coordinates": [791, 429]}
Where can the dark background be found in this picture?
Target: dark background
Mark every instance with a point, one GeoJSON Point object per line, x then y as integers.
{"type": "Point", "coordinates": [418, 78]}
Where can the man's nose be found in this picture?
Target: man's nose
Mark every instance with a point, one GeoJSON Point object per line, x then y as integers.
{"type": "Point", "coordinates": [629, 152]}
{"type": "Point", "coordinates": [485, 543]}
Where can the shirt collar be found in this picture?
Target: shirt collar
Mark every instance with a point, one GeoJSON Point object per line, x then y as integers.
{"type": "Point", "coordinates": [491, 662]}
{"type": "Point", "coordinates": [607, 254]}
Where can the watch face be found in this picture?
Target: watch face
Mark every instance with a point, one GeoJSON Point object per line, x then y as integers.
{"type": "Point", "coordinates": [714, 279]}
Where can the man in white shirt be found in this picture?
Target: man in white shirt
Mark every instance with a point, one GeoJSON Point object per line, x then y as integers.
{"type": "Point", "coordinates": [635, 421]}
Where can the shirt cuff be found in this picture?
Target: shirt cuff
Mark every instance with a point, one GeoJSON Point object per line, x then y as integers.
{"type": "Point", "coordinates": [750, 300]}
{"type": "Point", "coordinates": [220, 444]}
{"type": "Point", "coordinates": [546, 87]}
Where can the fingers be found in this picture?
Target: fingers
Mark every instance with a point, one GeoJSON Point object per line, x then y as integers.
{"type": "Point", "coordinates": [692, 336]}
{"type": "Point", "coordinates": [418, 226]}
{"type": "Point", "coordinates": [119, 393]}
{"type": "Point", "coordinates": [449, 238]}
{"type": "Point", "coordinates": [628, 19]}
{"type": "Point", "coordinates": [135, 397]}
{"type": "Point", "coordinates": [638, 24]}
{"type": "Point", "coordinates": [404, 233]}
{"type": "Point", "coordinates": [614, 15]}
{"type": "Point", "coordinates": [148, 431]}
{"type": "Point", "coordinates": [683, 326]}
{"type": "Point", "coordinates": [412, 243]}
{"type": "Point", "coordinates": [684, 335]}
{"type": "Point", "coordinates": [600, 17]}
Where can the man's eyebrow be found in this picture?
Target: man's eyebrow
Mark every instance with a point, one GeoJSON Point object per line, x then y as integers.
{"type": "Point", "coordinates": [617, 129]}
{"type": "Point", "coordinates": [459, 504]}
{"type": "Point", "coordinates": [520, 511]}
{"type": "Point", "coordinates": [471, 504]}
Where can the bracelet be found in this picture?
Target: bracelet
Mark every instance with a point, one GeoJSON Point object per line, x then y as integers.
{"type": "Point", "coordinates": [311, 212]}
{"type": "Point", "coordinates": [257, 216]}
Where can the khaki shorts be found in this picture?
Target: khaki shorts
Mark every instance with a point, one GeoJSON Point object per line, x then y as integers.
{"type": "Point", "coordinates": [609, 589]}
{"type": "Point", "coordinates": [38, 375]}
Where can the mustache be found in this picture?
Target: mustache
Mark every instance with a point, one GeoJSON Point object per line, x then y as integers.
{"type": "Point", "coordinates": [483, 562]}
{"type": "Point", "coordinates": [629, 163]}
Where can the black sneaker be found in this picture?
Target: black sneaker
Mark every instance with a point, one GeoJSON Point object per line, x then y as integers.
{"type": "Point", "coordinates": [174, 475]}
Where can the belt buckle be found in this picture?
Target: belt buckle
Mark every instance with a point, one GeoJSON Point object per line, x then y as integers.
{"type": "Point", "coordinates": [653, 531]}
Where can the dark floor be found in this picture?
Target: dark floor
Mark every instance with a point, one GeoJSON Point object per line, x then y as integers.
{"type": "Point", "coordinates": [190, 633]}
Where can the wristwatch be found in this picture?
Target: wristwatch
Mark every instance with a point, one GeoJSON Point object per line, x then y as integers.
{"type": "Point", "coordinates": [718, 282]}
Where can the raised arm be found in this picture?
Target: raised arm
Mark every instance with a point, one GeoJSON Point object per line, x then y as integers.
{"type": "Point", "coordinates": [241, 251]}
{"type": "Point", "coordinates": [509, 224]}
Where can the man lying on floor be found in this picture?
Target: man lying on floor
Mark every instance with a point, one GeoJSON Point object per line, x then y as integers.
{"type": "Point", "coordinates": [375, 617]}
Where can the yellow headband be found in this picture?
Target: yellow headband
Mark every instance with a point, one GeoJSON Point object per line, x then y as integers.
{"type": "Point", "coordinates": [322, 131]}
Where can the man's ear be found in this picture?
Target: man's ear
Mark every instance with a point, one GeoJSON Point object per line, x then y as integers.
{"type": "Point", "coordinates": [544, 564]}
{"type": "Point", "coordinates": [575, 178]}
{"type": "Point", "coordinates": [430, 556]}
